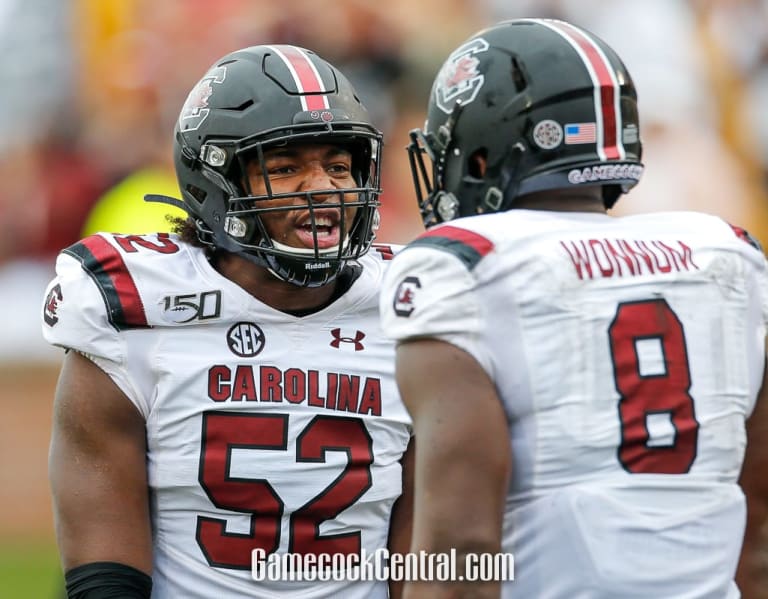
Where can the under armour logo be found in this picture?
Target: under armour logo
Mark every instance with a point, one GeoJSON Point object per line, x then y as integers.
{"type": "Point", "coordinates": [338, 339]}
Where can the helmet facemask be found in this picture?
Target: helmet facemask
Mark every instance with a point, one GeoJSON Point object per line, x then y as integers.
{"type": "Point", "coordinates": [253, 101]}
{"type": "Point", "coordinates": [426, 168]}
{"type": "Point", "coordinates": [433, 158]}
{"type": "Point", "coordinates": [435, 203]}
{"type": "Point", "coordinates": [243, 221]}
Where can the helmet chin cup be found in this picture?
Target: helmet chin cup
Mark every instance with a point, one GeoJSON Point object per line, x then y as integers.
{"type": "Point", "coordinates": [304, 271]}
{"type": "Point", "coordinates": [310, 252]}
{"type": "Point", "coordinates": [305, 267]}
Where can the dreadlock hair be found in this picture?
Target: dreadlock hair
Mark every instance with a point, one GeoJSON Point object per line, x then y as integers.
{"type": "Point", "coordinates": [186, 230]}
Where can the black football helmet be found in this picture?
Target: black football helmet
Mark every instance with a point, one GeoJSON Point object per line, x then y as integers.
{"type": "Point", "coordinates": [546, 104]}
{"type": "Point", "coordinates": [256, 99]}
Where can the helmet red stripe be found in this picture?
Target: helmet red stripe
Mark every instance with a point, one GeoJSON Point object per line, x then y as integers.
{"type": "Point", "coordinates": [606, 88]}
{"type": "Point", "coordinates": [306, 77]}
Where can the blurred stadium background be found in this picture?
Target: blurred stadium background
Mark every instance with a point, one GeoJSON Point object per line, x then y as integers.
{"type": "Point", "coordinates": [91, 89]}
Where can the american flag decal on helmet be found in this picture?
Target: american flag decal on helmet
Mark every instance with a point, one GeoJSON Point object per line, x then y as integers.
{"type": "Point", "coordinates": [309, 83]}
{"type": "Point", "coordinates": [606, 84]}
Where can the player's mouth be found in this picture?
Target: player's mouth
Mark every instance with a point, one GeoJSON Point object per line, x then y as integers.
{"type": "Point", "coordinates": [328, 232]}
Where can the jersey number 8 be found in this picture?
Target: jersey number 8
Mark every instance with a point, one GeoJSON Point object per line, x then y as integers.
{"type": "Point", "coordinates": [664, 392]}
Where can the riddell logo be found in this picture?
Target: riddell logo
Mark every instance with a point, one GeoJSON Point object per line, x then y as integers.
{"type": "Point", "coordinates": [338, 339]}
{"type": "Point", "coordinates": [317, 266]}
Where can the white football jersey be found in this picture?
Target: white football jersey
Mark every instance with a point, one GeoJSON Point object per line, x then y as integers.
{"type": "Point", "coordinates": [264, 430]}
{"type": "Point", "coordinates": [628, 353]}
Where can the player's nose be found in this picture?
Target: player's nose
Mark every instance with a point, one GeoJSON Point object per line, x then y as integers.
{"type": "Point", "coordinates": [317, 179]}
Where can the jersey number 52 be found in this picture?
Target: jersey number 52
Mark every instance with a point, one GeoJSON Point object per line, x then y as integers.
{"type": "Point", "coordinates": [225, 431]}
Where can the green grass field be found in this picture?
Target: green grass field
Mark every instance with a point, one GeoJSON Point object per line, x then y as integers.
{"type": "Point", "coordinates": [29, 571]}
{"type": "Point", "coordinates": [29, 563]}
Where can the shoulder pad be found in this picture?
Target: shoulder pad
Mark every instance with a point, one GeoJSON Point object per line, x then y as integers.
{"type": "Point", "coordinates": [466, 245]}
{"type": "Point", "coordinates": [746, 237]}
{"type": "Point", "coordinates": [104, 262]}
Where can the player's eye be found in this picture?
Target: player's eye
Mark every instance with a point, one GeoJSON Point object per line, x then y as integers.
{"type": "Point", "coordinates": [339, 168]}
{"type": "Point", "coordinates": [280, 169]}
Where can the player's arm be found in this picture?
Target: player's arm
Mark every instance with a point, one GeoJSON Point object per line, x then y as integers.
{"type": "Point", "coordinates": [752, 574]}
{"type": "Point", "coordinates": [401, 522]}
{"type": "Point", "coordinates": [97, 471]}
{"type": "Point", "coordinates": [462, 458]}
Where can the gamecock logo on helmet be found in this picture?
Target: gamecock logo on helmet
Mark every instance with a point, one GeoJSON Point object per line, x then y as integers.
{"type": "Point", "coordinates": [195, 109]}
{"type": "Point", "coordinates": [459, 79]}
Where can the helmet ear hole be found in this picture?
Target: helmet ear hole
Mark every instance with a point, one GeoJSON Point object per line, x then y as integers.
{"type": "Point", "coordinates": [196, 192]}
{"type": "Point", "coordinates": [477, 163]}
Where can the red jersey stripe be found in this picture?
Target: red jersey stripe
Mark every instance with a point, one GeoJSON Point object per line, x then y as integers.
{"type": "Point", "coordinates": [480, 244]}
{"type": "Point", "coordinates": [115, 281]}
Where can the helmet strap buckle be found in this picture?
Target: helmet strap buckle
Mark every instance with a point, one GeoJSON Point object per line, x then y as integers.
{"type": "Point", "coordinates": [493, 199]}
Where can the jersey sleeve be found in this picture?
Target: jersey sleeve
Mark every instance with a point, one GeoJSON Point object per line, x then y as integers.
{"type": "Point", "coordinates": [761, 290]}
{"type": "Point", "coordinates": [75, 316]}
{"type": "Point", "coordinates": [430, 291]}
{"type": "Point", "coordinates": [761, 267]}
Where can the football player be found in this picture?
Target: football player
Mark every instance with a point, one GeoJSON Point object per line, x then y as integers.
{"type": "Point", "coordinates": [227, 387]}
{"type": "Point", "coordinates": [579, 383]}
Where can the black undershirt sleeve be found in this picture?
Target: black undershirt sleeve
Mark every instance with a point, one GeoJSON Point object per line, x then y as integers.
{"type": "Point", "coordinates": [107, 580]}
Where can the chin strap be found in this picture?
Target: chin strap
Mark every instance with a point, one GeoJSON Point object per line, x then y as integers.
{"type": "Point", "coordinates": [160, 199]}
